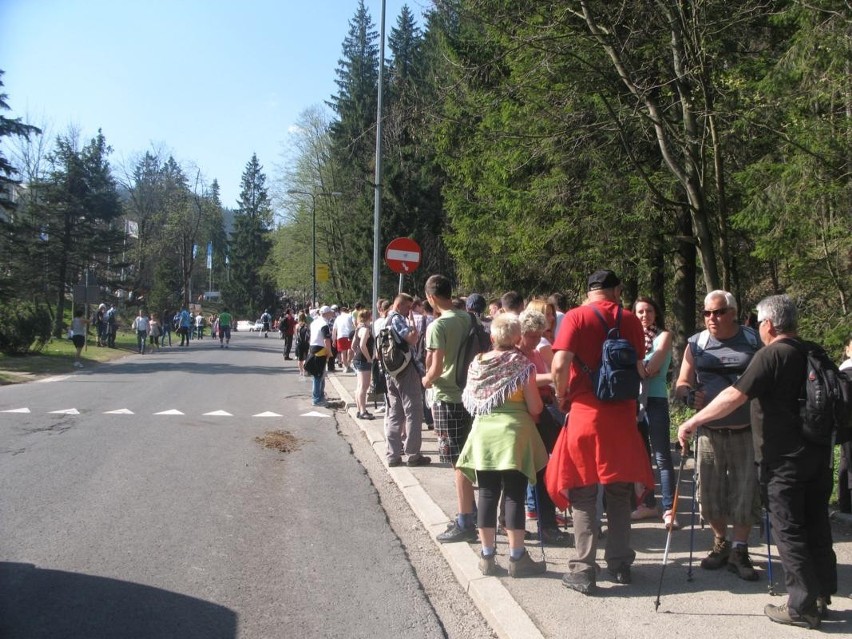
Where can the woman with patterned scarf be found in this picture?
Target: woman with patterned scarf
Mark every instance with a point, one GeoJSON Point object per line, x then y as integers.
{"type": "Point", "coordinates": [504, 450]}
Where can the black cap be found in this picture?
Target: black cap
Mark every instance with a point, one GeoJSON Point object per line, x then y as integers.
{"type": "Point", "coordinates": [603, 279]}
{"type": "Point", "coordinates": [475, 302]}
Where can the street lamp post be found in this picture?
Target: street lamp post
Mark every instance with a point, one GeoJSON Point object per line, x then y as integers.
{"type": "Point", "coordinates": [313, 197]}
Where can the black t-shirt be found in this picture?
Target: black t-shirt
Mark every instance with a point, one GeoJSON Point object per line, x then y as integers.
{"type": "Point", "coordinates": [774, 378]}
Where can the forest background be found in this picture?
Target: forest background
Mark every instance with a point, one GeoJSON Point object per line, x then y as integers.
{"type": "Point", "coordinates": [687, 145]}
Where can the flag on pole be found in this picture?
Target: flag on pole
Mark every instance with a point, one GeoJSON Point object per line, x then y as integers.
{"type": "Point", "coordinates": [194, 250]}
{"type": "Point", "coordinates": [132, 229]}
{"type": "Point", "coordinates": [209, 255]}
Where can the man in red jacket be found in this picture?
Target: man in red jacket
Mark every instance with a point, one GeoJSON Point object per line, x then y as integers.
{"type": "Point", "coordinates": [601, 445]}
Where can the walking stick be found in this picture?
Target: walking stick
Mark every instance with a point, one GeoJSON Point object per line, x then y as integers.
{"type": "Point", "coordinates": [769, 553]}
{"type": "Point", "coordinates": [671, 529]}
{"type": "Point", "coordinates": [694, 506]}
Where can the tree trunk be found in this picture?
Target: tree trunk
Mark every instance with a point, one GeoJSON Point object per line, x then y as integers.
{"type": "Point", "coordinates": [684, 287]}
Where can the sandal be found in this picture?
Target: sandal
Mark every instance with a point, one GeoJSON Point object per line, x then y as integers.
{"type": "Point", "coordinates": [670, 521]}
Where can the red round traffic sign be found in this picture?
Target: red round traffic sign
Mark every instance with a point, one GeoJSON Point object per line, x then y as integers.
{"type": "Point", "coordinates": [402, 255]}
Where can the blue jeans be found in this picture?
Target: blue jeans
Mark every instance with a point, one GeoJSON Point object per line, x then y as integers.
{"type": "Point", "coordinates": [318, 388]}
{"type": "Point", "coordinates": [141, 338]}
{"type": "Point", "coordinates": [661, 449]}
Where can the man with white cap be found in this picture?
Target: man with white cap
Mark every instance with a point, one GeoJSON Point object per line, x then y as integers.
{"type": "Point", "coordinates": [320, 347]}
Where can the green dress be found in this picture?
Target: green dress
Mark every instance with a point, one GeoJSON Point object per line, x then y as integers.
{"type": "Point", "coordinates": [504, 439]}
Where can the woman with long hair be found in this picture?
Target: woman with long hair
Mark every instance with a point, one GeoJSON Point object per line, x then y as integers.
{"type": "Point", "coordinates": [362, 361]}
{"type": "Point", "coordinates": [658, 358]}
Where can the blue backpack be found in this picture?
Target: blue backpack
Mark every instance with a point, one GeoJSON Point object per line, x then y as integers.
{"type": "Point", "coordinates": [617, 378]}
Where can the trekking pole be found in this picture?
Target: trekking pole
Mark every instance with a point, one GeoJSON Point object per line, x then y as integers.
{"type": "Point", "coordinates": [536, 488]}
{"type": "Point", "coordinates": [694, 506]}
{"type": "Point", "coordinates": [671, 530]}
{"type": "Point", "coordinates": [768, 527]}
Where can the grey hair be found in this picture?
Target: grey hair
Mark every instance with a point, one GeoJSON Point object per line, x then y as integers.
{"type": "Point", "coordinates": [730, 302]}
{"type": "Point", "coordinates": [532, 321]}
{"type": "Point", "coordinates": [505, 330]}
{"type": "Point", "coordinates": [781, 311]}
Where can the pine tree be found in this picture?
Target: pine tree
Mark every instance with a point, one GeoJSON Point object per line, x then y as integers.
{"type": "Point", "coordinates": [249, 290]}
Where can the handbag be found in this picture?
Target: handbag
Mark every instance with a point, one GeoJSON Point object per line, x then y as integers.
{"type": "Point", "coordinates": [378, 383]}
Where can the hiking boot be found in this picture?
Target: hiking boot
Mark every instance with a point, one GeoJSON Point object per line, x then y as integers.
{"type": "Point", "coordinates": [454, 533]}
{"type": "Point", "coordinates": [621, 573]}
{"type": "Point", "coordinates": [718, 557]}
{"type": "Point", "coordinates": [782, 614]}
{"type": "Point", "coordinates": [552, 536]}
{"type": "Point", "coordinates": [582, 582]}
{"type": "Point", "coordinates": [740, 563]}
{"type": "Point", "coordinates": [487, 564]}
{"type": "Point", "coordinates": [525, 566]}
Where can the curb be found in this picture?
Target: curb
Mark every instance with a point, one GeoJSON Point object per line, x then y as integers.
{"type": "Point", "coordinates": [494, 601]}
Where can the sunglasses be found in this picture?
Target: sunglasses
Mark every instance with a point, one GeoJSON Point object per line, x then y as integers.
{"type": "Point", "coordinates": [716, 312]}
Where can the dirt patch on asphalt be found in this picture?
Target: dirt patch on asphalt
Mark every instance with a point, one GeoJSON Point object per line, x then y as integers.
{"type": "Point", "coordinates": [281, 440]}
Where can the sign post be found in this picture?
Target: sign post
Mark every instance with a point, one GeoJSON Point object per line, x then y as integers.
{"type": "Point", "coordinates": [402, 256]}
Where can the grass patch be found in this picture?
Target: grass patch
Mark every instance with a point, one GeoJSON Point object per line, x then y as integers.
{"type": "Point", "coordinates": [57, 357]}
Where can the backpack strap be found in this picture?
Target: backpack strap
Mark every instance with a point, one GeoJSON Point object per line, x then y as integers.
{"type": "Point", "coordinates": [607, 329]}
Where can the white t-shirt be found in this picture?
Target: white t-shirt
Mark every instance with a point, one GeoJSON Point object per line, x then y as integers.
{"type": "Point", "coordinates": [343, 325]}
{"type": "Point", "coordinates": [141, 323]}
{"type": "Point", "coordinates": [317, 334]}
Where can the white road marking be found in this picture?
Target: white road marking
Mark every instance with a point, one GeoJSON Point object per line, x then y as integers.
{"type": "Point", "coordinates": [218, 413]}
{"type": "Point", "coordinates": [314, 413]}
{"type": "Point", "coordinates": [16, 410]}
{"type": "Point", "coordinates": [120, 411]}
{"type": "Point", "coordinates": [170, 412]}
{"type": "Point", "coordinates": [57, 378]}
{"type": "Point", "coordinates": [67, 411]}
{"type": "Point", "coordinates": [267, 414]}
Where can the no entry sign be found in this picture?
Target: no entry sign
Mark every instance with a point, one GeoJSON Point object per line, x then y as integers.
{"type": "Point", "coordinates": [402, 255]}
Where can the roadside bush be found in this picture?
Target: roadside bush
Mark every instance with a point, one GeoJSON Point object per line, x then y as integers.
{"type": "Point", "coordinates": [24, 328]}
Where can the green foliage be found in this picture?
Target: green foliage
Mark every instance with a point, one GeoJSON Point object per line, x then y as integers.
{"type": "Point", "coordinates": [24, 328]}
{"type": "Point", "coordinates": [250, 289]}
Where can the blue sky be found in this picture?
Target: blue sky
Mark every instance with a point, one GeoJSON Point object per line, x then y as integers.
{"type": "Point", "coordinates": [209, 81]}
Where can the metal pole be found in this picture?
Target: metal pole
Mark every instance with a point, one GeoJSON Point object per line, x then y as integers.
{"type": "Point", "coordinates": [314, 248]}
{"type": "Point", "coordinates": [377, 210]}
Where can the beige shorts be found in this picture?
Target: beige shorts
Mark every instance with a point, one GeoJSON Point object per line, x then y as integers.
{"type": "Point", "coordinates": [727, 476]}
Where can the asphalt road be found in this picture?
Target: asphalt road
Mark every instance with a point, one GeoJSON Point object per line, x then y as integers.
{"type": "Point", "coordinates": [168, 518]}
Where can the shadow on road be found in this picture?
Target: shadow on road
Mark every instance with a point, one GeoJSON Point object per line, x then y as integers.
{"type": "Point", "coordinates": [40, 603]}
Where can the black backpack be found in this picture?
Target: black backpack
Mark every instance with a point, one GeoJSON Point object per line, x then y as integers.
{"type": "Point", "coordinates": [617, 378]}
{"type": "Point", "coordinates": [825, 401]}
{"type": "Point", "coordinates": [303, 337]}
{"type": "Point", "coordinates": [475, 342]}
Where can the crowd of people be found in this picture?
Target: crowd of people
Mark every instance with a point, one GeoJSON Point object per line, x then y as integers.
{"type": "Point", "coordinates": [526, 427]}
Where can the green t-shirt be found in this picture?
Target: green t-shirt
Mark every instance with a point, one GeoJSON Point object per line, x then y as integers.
{"type": "Point", "coordinates": [447, 334]}
{"type": "Point", "coordinates": [224, 319]}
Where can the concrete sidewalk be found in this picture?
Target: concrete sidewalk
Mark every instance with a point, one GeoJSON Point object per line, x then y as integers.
{"type": "Point", "coordinates": [710, 604]}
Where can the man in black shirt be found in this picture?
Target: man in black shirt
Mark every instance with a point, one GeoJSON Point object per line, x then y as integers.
{"type": "Point", "coordinates": [797, 473]}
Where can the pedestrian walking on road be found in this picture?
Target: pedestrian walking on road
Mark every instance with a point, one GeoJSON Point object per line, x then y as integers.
{"type": "Point", "coordinates": [225, 328]}
{"type": "Point", "coordinates": [140, 325]}
{"type": "Point", "coordinates": [154, 331]}
{"type": "Point", "coordinates": [79, 328]}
